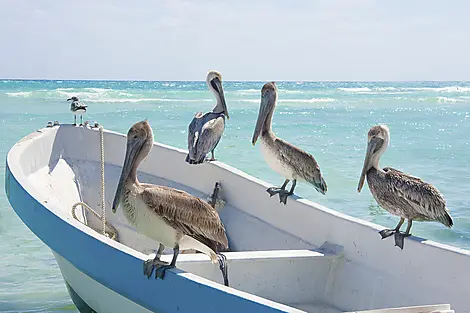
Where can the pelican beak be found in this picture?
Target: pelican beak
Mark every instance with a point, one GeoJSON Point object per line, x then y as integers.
{"type": "Point", "coordinates": [372, 147]}
{"type": "Point", "coordinates": [69, 99]}
{"type": "Point", "coordinates": [132, 152]}
{"type": "Point", "coordinates": [217, 85]}
{"type": "Point", "coordinates": [266, 104]}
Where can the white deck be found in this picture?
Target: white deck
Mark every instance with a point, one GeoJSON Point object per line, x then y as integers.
{"type": "Point", "coordinates": [302, 255]}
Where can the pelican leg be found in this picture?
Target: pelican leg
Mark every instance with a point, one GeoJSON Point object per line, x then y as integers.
{"type": "Point", "coordinates": [283, 194]}
{"type": "Point", "coordinates": [388, 232]}
{"type": "Point", "coordinates": [223, 265]}
{"type": "Point", "coordinates": [275, 190]}
{"type": "Point", "coordinates": [81, 120]}
{"type": "Point", "coordinates": [213, 157]}
{"type": "Point", "coordinates": [161, 269]}
{"type": "Point", "coordinates": [400, 237]}
{"type": "Point", "coordinates": [150, 264]}
{"type": "Point", "coordinates": [74, 120]}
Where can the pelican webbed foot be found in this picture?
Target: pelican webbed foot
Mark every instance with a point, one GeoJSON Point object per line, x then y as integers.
{"type": "Point", "coordinates": [400, 237]}
{"type": "Point", "coordinates": [161, 269]}
{"type": "Point", "coordinates": [150, 264]}
{"type": "Point", "coordinates": [223, 265]}
{"type": "Point", "coordinates": [283, 194]}
{"type": "Point", "coordinates": [388, 232]}
{"type": "Point", "coordinates": [275, 190]}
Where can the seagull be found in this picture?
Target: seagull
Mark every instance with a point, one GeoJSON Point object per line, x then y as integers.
{"type": "Point", "coordinates": [77, 108]}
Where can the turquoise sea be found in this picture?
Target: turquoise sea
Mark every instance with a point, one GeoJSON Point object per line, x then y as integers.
{"type": "Point", "coordinates": [430, 138]}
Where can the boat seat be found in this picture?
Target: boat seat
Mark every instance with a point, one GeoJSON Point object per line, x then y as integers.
{"type": "Point", "coordinates": [292, 275]}
{"type": "Point", "coordinates": [440, 308]}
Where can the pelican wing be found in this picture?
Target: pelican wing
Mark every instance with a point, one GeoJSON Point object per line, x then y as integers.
{"type": "Point", "coordinates": [424, 198]}
{"type": "Point", "coordinates": [206, 132]}
{"type": "Point", "coordinates": [187, 214]}
{"type": "Point", "coordinates": [302, 162]}
{"type": "Point", "coordinates": [193, 133]}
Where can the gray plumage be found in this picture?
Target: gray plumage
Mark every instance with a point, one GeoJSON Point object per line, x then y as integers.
{"type": "Point", "coordinates": [301, 164]}
{"type": "Point", "coordinates": [204, 133]}
{"type": "Point", "coordinates": [400, 194]}
{"type": "Point", "coordinates": [169, 216]}
{"type": "Point", "coordinates": [407, 196]}
{"type": "Point", "coordinates": [187, 214]}
{"type": "Point", "coordinates": [287, 160]}
{"type": "Point", "coordinates": [205, 130]}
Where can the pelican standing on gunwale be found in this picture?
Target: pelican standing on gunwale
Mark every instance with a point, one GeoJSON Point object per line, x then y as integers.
{"type": "Point", "coordinates": [205, 130]}
{"type": "Point", "coordinates": [284, 158]}
{"type": "Point", "coordinates": [400, 194]}
{"type": "Point", "coordinates": [77, 108]}
{"type": "Point", "coordinates": [169, 216]}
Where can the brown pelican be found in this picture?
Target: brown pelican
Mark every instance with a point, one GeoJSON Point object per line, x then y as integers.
{"type": "Point", "coordinates": [172, 217]}
{"type": "Point", "coordinates": [400, 194]}
{"type": "Point", "coordinates": [77, 108]}
{"type": "Point", "coordinates": [205, 130]}
{"type": "Point", "coordinates": [286, 159]}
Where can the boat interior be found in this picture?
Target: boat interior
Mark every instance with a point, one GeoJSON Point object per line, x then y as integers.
{"type": "Point", "coordinates": [264, 259]}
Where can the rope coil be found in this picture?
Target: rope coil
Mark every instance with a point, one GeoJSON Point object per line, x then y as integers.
{"type": "Point", "coordinates": [112, 232]}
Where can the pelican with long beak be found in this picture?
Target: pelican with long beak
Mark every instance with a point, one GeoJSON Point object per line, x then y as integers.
{"type": "Point", "coordinates": [284, 158]}
{"type": "Point", "coordinates": [169, 216]}
{"type": "Point", "coordinates": [400, 194]}
{"type": "Point", "coordinates": [205, 130]}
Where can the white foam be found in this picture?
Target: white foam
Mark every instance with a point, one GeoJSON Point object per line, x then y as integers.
{"type": "Point", "coordinates": [449, 89]}
{"type": "Point", "coordinates": [359, 89]}
{"type": "Point", "coordinates": [116, 100]}
{"type": "Point", "coordinates": [23, 94]}
{"type": "Point", "coordinates": [448, 100]}
{"type": "Point", "coordinates": [313, 100]}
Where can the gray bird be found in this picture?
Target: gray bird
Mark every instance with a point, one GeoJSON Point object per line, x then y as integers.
{"type": "Point", "coordinates": [77, 108]}
{"type": "Point", "coordinates": [205, 130]}
{"type": "Point", "coordinates": [400, 194]}
{"type": "Point", "coordinates": [284, 158]}
{"type": "Point", "coordinates": [172, 217]}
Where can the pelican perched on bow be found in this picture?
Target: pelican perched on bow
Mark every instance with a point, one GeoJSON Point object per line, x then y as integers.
{"type": "Point", "coordinates": [205, 130]}
{"type": "Point", "coordinates": [172, 217]}
{"type": "Point", "coordinates": [77, 108]}
{"type": "Point", "coordinates": [400, 194]}
{"type": "Point", "coordinates": [284, 158]}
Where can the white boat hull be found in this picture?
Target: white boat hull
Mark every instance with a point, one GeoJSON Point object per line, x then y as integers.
{"type": "Point", "coordinates": [294, 258]}
{"type": "Point", "coordinates": [88, 294]}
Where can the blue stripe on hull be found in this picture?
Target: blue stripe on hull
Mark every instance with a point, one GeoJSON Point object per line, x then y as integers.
{"type": "Point", "coordinates": [117, 270]}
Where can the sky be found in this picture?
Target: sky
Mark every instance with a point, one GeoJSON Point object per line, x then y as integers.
{"type": "Point", "coordinates": [254, 40]}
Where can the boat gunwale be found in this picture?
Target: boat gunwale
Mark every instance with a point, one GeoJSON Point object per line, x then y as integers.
{"type": "Point", "coordinates": [24, 185]}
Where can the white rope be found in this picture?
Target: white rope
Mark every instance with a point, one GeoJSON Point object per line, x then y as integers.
{"type": "Point", "coordinates": [112, 231]}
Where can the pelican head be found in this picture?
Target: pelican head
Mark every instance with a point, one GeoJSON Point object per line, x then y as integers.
{"type": "Point", "coordinates": [139, 145]}
{"type": "Point", "coordinates": [268, 103]}
{"type": "Point", "coordinates": [73, 98]}
{"type": "Point", "coordinates": [377, 142]}
{"type": "Point", "coordinates": [214, 82]}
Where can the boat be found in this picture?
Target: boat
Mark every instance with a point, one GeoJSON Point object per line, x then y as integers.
{"type": "Point", "coordinates": [302, 257]}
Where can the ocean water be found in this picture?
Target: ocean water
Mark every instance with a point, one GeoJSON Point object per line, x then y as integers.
{"type": "Point", "coordinates": [430, 134]}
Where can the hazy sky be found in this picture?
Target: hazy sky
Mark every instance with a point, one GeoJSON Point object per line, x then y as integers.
{"type": "Point", "coordinates": [244, 39]}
